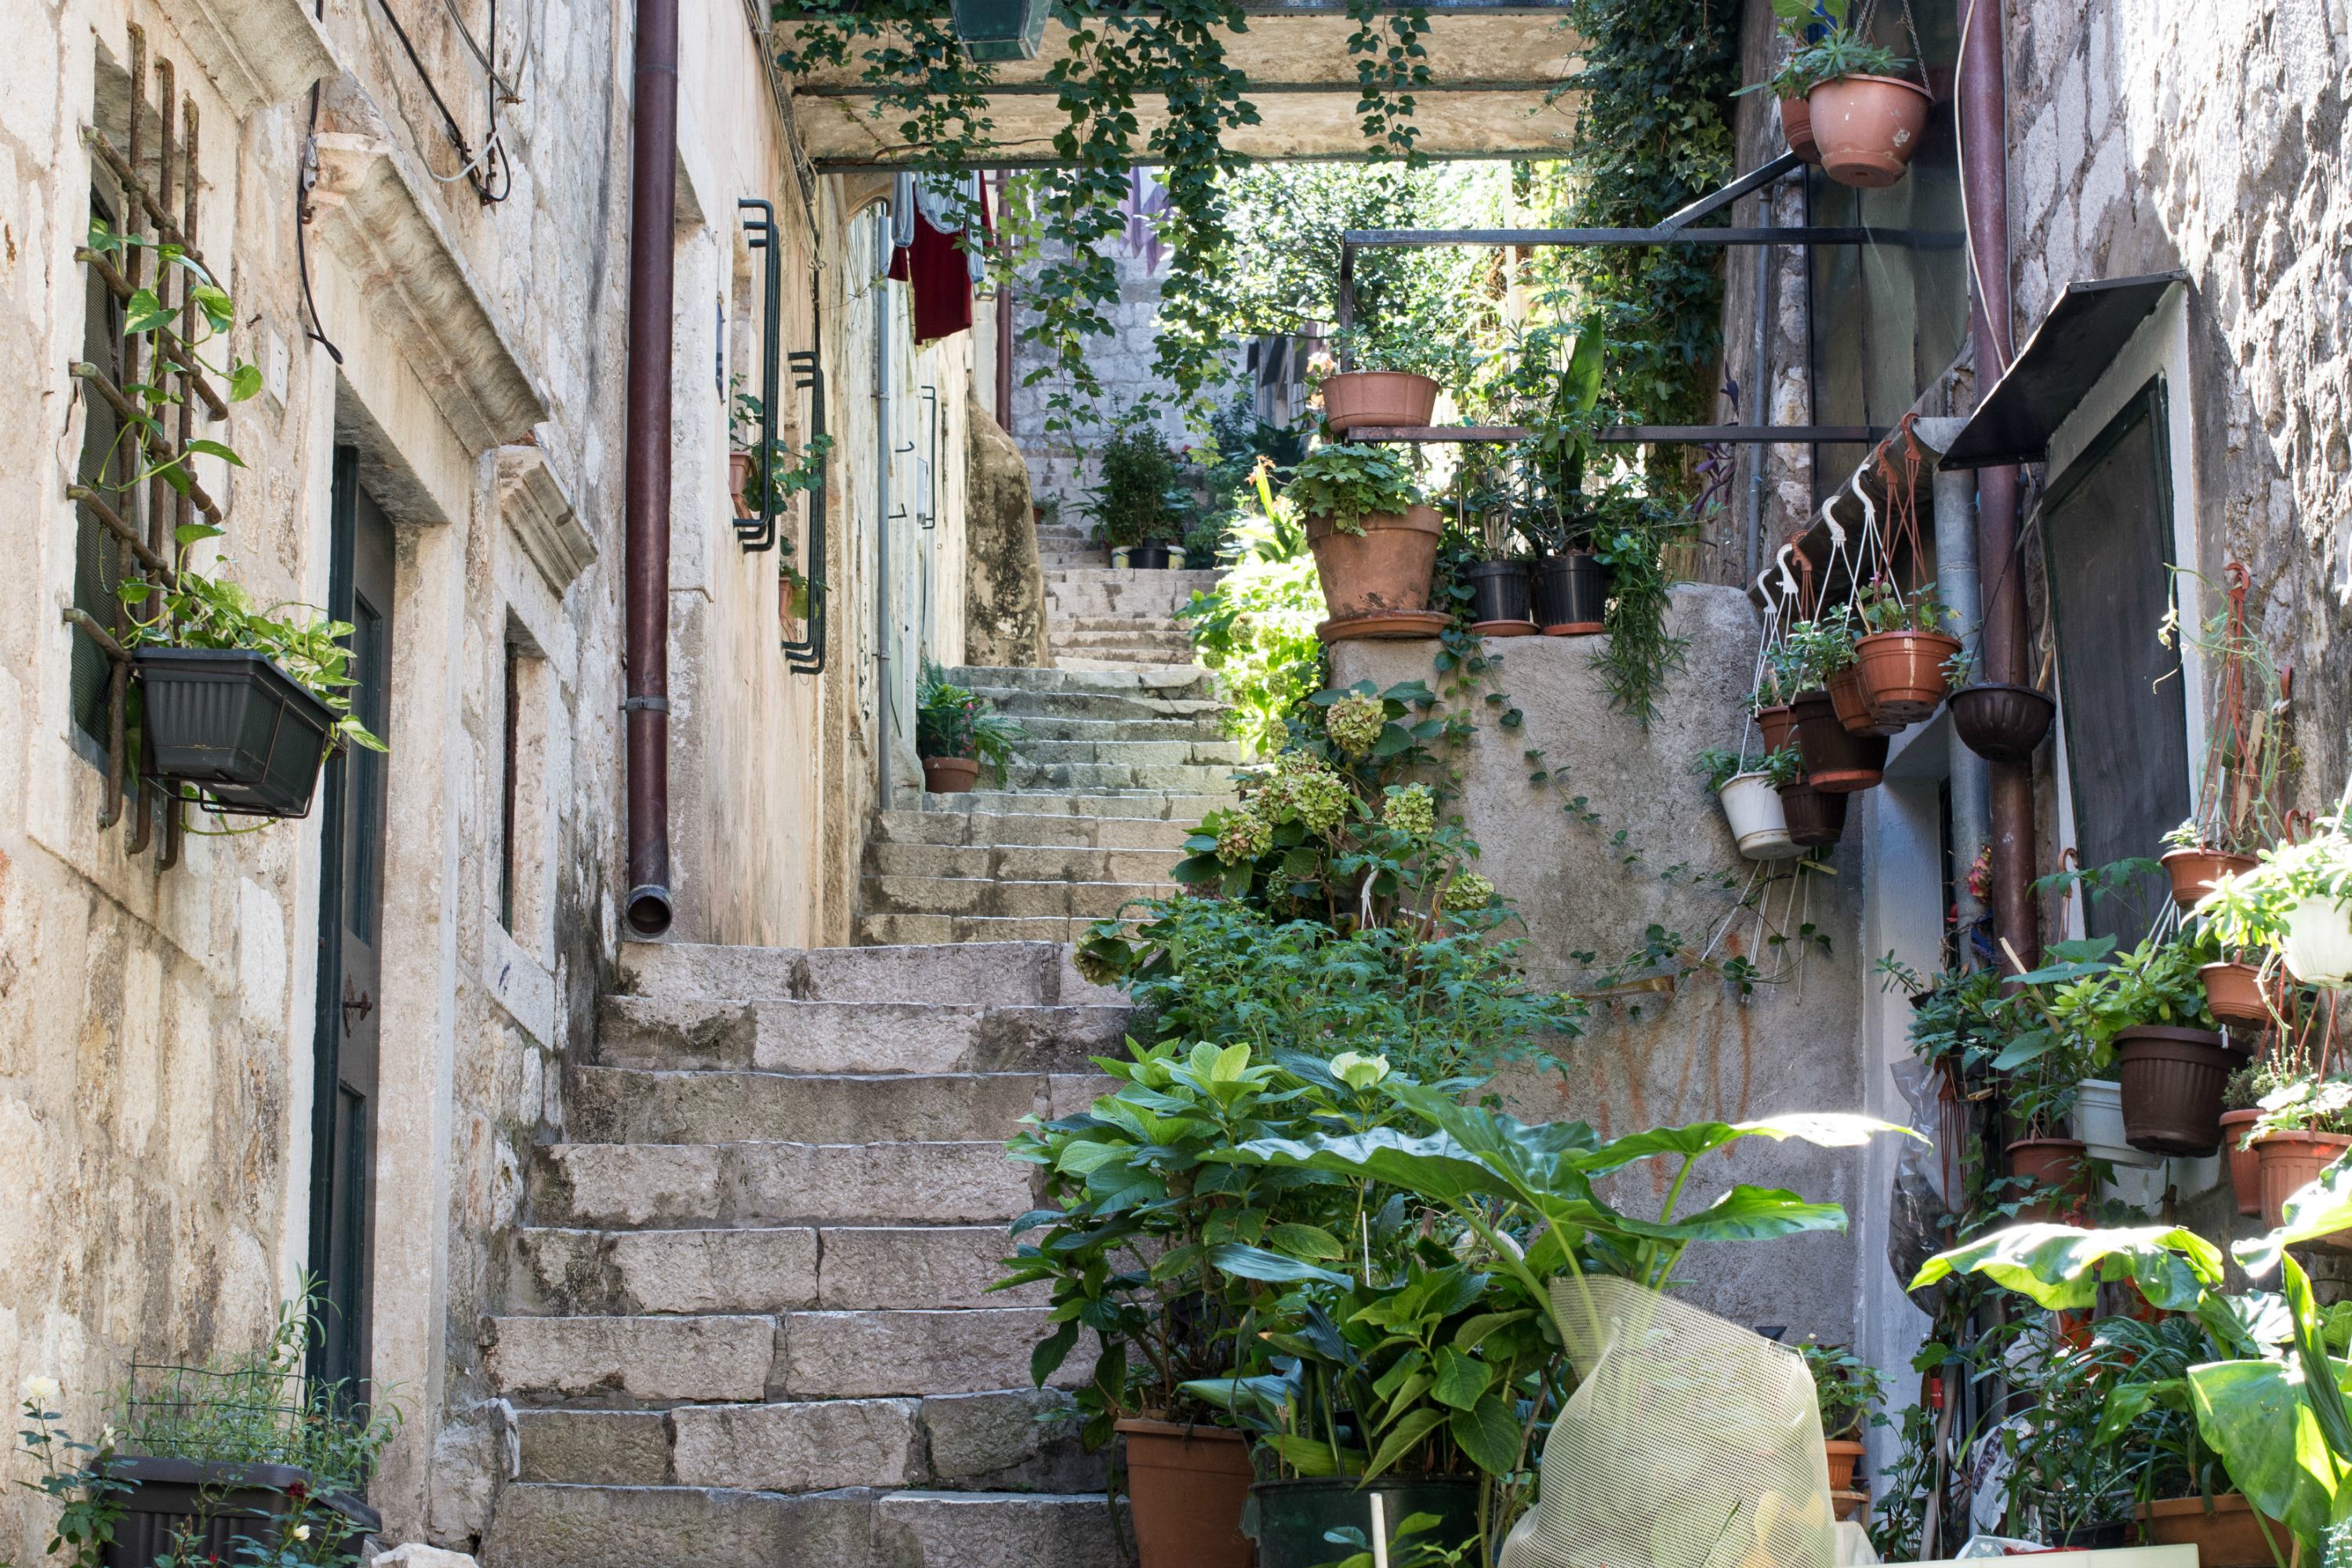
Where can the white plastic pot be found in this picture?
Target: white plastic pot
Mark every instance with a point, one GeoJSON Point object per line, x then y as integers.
{"type": "Point", "coordinates": [2319, 942]}
{"type": "Point", "coordinates": [2099, 1124]}
{"type": "Point", "coordinates": [1759, 825]}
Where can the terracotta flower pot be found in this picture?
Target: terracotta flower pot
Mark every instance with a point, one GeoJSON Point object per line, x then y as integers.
{"type": "Point", "coordinates": [2056, 1163]}
{"type": "Point", "coordinates": [1797, 125]}
{"type": "Point", "coordinates": [739, 478]}
{"type": "Point", "coordinates": [1851, 699]}
{"type": "Point", "coordinates": [1844, 1454]}
{"type": "Point", "coordinates": [2194, 871]}
{"type": "Point", "coordinates": [1187, 1486]}
{"type": "Point", "coordinates": [2226, 1532]}
{"type": "Point", "coordinates": [2003, 723]}
{"type": "Point", "coordinates": [1356, 397]}
{"type": "Point", "coordinates": [1816, 820]}
{"type": "Point", "coordinates": [2234, 992]}
{"type": "Point", "coordinates": [1380, 571]}
{"type": "Point", "coordinates": [950, 775]}
{"type": "Point", "coordinates": [1776, 723]}
{"type": "Point", "coordinates": [2245, 1165]}
{"type": "Point", "coordinates": [1903, 673]}
{"type": "Point", "coordinates": [1836, 762]}
{"type": "Point", "coordinates": [1867, 127]}
{"type": "Point", "coordinates": [2172, 1081]}
{"type": "Point", "coordinates": [2291, 1161]}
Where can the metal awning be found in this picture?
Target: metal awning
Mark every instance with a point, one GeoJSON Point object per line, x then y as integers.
{"type": "Point", "coordinates": [2067, 353]}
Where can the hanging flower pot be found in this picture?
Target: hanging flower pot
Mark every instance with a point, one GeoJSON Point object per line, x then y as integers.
{"type": "Point", "coordinates": [1382, 397]}
{"type": "Point", "coordinates": [1867, 128]}
{"type": "Point", "coordinates": [2245, 1165]}
{"type": "Point", "coordinates": [1816, 820]}
{"type": "Point", "coordinates": [1752, 808]}
{"type": "Point", "coordinates": [1382, 570]}
{"type": "Point", "coordinates": [235, 725]}
{"type": "Point", "coordinates": [2003, 723]}
{"type": "Point", "coordinates": [2233, 992]}
{"type": "Point", "coordinates": [2099, 1117]}
{"type": "Point", "coordinates": [1499, 592]}
{"type": "Point", "coordinates": [1903, 673]}
{"type": "Point", "coordinates": [2172, 1081]}
{"type": "Point", "coordinates": [1797, 126]}
{"type": "Point", "coordinates": [2318, 944]}
{"type": "Point", "coordinates": [1775, 723]}
{"type": "Point", "coordinates": [1836, 761]}
{"type": "Point", "coordinates": [2291, 1161]}
{"type": "Point", "coordinates": [1571, 595]}
{"type": "Point", "coordinates": [2054, 1165]}
{"type": "Point", "coordinates": [1187, 1486]}
{"type": "Point", "coordinates": [2194, 871]}
{"type": "Point", "coordinates": [738, 476]}
{"type": "Point", "coordinates": [950, 775]}
{"type": "Point", "coordinates": [1851, 699]}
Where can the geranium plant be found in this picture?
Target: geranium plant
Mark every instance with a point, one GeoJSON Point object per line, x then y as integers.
{"type": "Point", "coordinates": [1342, 483]}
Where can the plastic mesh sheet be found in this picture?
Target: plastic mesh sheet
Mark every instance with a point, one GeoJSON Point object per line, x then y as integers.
{"type": "Point", "coordinates": [1690, 1442]}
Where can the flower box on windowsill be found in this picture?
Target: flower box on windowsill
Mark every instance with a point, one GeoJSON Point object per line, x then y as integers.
{"type": "Point", "coordinates": [232, 723]}
{"type": "Point", "coordinates": [215, 1505]}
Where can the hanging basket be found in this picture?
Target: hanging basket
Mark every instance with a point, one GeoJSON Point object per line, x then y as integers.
{"type": "Point", "coordinates": [232, 723]}
{"type": "Point", "coordinates": [2003, 723]}
{"type": "Point", "coordinates": [2053, 1163]}
{"type": "Point", "coordinates": [1377, 398]}
{"type": "Point", "coordinates": [1836, 762]}
{"type": "Point", "coordinates": [1851, 699]}
{"type": "Point", "coordinates": [1867, 128]}
{"type": "Point", "coordinates": [2194, 871]}
{"type": "Point", "coordinates": [2319, 942]}
{"type": "Point", "coordinates": [1777, 723]}
{"type": "Point", "coordinates": [2245, 1165]}
{"type": "Point", "coordinates": [2172, 1081]}
{"type": "Point", "coordinates": [2290, 1161]}
{"type": "Point", "coordinates": [1758, 826]}
{"type": "Point", "coordinates": [2233, 992]}
{"type": "Point", "coordinates": [1903, 674]}
{"type": "Point", "coordinates": [1816, 820]}
{"type": "Point", "coordinates": [2099, 1116]}
{"type": "Point", "coordinates": [1797, 126]}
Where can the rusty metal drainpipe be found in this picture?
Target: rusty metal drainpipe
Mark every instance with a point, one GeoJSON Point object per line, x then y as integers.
{"type": "Point", "coordinates": [653, 203]}
{"type": "Point", "coordinates": [1984, 138]}
{"type": "Point", "coordinates": [1005, 338]}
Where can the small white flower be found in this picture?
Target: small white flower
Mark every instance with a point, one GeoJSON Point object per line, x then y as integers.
{"type": "Point", "coordinates": [107, 1436]}
{"type": "Point", "coordinates": [301, 1532]}
{"type": "Point", "coordinates": [43, 1390]}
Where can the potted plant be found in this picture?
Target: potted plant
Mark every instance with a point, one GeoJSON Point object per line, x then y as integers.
{"type": "Point", "coordinates": [2240, 1108]}
{"type": "Point", "coordinates": [1837, 760]}
{"type": "Point", "coordinates": [1902, 652]}
{"type": "Point", "coordinates": [1750, 795]}
{"type": "Point", "coordinates": [1863, 119]}
{"type": "Point", "coordinates": [1141, 504]}
{"type": "Point", "coordinates": [2145, 1010]}
{"type": "Point", "coordinates": [2297, 900]}
{"type": "Point", "coordinates": [959, 732]}
{"type": "Point", "coordinates": [1775, 687]}
{"type": "Point", "coordinates": [2237, 813]}
{"type": "Point", "coordinates": [2045, 1062]}
{"type": "Point", "coordinates": [1816, 820]}
{"type": "Point", "coordinates": [1849, 1392]}
{"type": "Point", "coordinates": [1386, 387]}
{"type": "Point", "coordinates": [1997, 721]}
{"type": "Point", "coordinates": [1558, 516]}
{"type": "Point", "coordinates": [1499, 582]}
{"type": "Point", "coordinates": [2304, 1128]}
{"type": "Point", "coordinates": [1374, 539]}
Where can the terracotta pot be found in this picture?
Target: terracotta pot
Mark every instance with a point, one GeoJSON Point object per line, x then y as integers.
{"type": "Point", "coordinates": [738, 476]}
{"type": "Point", "coordinates": [1867, 127]}
{"type": "Point", "coordinates": [1903, 673]}
{"type": "Point", "coordinates": [1844, 1454]}
{"type": "Point", "coordinates": [2245, 1165]}
{"type": "Point", "coordinates": [950, 775]}
{"type": "Point", "coordinates": [2053, 1163]}
{"type": "Point", "coordinates": [1851, 701]}
{"type": "Point", "coordinates": [1836, 763]}
{"type": "Point", "coordinates": [2003, 723]}
{"type": "Point", "coordinates": [1776, 722]}
{"type": "Point", "coordinates": [2291, 1161]}
{"type": "Point", "coordinates": [2194, 871]}
{"type": "Point", "coordinates": [1187, 1486]}
{"type": "Point", "coordinates": [1797, 125]}
{"type": "Point", "coordinates": [2172, 1082]}
{"type": "Point", "coordinates": [1383, 569]}
{"type": "Point", "coordinates": [1356, 397]}
{"type": "Point", "coordinates": [2226, 1532]}
{"type": "Point", "coordinates": [2234, 993]}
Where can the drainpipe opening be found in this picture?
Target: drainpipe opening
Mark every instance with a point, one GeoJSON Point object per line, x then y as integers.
{"type": "Point", "coordinates": [649, 911]}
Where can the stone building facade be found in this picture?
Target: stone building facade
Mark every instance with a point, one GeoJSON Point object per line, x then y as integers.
{"type": "Point", "coordinates": [459, 361]}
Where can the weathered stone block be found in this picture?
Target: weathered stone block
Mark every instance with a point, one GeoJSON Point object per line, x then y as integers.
{"type": "Point", "coordinates": [625, 1527]}
{"type": "Point", "coordinates": [799, 1447]}
{"type": "Point", "coordinates": [760, 1270]}
{"type": "Point", "coordinates": [946, 1182]}
{"type": "Point", "coordinates": [868, 1268]}
{"type": "Point", "coordinates": [852, 1356]}
{"type": "Point", "coordinates": [950, 1529]}
{"type": "Point", "coordinates": [662, 1359]}
{"type": "Point", "coordinates": [597, 1447]}
{"type": "Point", "coordinates": [1020, 1439]}
{"type": "Point", "coordinates": [622, 1184]}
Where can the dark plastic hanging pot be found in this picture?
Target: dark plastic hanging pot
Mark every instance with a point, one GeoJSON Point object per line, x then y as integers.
{"type": "Point", "coordinates": [1295, 1517]}
{"type": "Point", "coordinates": [1499, 590]}
{"type": "Point", "coordinates": [1816, 820]}
{"type": "Point", "coordinates": [2002, 723]}
{"type": "Point", "coordinates": [233, 724]}
{"type": "Point", "coordinates": [1836, 762]}
{"type": "Point", "coordinates": [1571, 595]}
{"type": "Point", "coordinates": [2172, 1080]}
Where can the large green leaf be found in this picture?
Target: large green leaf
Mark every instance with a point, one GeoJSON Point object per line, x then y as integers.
{"type": "Point", "coordinates": [1461, 1379]}
{"type": "Point", "coordinates": [1257, 1263]}
{"type": "Point", "coordinates": [2061, 1266]}
{"type": "Point", "coordinates": [2254, 1416]}
{"type": "Point", "coordinates": [1744, 1213]}
{"type": "Point", "coordinates": [2320, 1209]}
{"type": "Point", "coordinates": [1410, 1430]}
{"type": "Point", "coordinates": [1489, 1433]}
{"type": "Point", "coordinates": [1433, 1166]}
{"type": "Point", "coordinates": [1830, 1130]}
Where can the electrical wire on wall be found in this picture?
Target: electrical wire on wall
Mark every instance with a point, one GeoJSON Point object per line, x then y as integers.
{"type": "Point", "coordinates": [306, 176]}
{"type": "Point", "coordinates": [489, 171]}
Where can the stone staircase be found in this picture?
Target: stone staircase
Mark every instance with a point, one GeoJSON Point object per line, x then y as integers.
{"type": "Point", "coordinates": [748, 1316]}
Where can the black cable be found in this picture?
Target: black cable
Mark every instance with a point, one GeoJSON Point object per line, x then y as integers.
{"type": "Point", "coordinates": [316, 330]}
{"type": "Point", "coordinates": [448, 121]}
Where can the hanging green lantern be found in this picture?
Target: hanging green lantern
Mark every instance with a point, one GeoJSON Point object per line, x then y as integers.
{"type": "Point", "coordinates": [1001, 29]}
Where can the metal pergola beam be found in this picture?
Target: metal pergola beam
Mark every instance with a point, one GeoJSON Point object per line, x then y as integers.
{"type": "Point", "coordinates": [1681, 434]}
{"type": "Point", "coordinates": [1396, 238]}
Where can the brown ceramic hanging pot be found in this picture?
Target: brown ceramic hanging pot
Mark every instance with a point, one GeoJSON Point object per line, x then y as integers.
{"type": "Point", "coordinates": [1837, 762]}
{"type": "Point", "coordinates": [1797, 125]}
{"type": "Point", "coordinates": [1851, 699]}
{"type": "Point", "coordinates": [1867, 128]}
{"type": "Point", "coordinates": [2193, 871]}
{"type": "Point", "coordinates": [2245, 1165]}
{"type": "Point", "coordinates": [2172, 1080]}
{"type": "Point", "coordinates": [1776, 722]}
{"type": "Point", "coordinates": [1903, 673]}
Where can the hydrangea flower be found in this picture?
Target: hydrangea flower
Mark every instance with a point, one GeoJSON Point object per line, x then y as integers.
{"type": "Point", "coordinates": [1468, 891]}
{"type": "Point", "coordinates": [1354, 723]}
{"type": "Point", "coordinates": [1244, 836]}
{"type": "Point", "coordinates": [1411, 810]}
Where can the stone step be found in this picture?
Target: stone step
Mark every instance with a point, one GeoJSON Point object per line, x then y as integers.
{"type": "Point", "coordinates": [634, 1106]}
{"type": "Point", "coordinates": [1013, 975]}
{"type": "Point", "coordinates": [1068, 727]}
{"type": "Point", "coordinates": [539, 1526]}
{"type": "Point", "coordinates": [694, 1186]}
{"type": "Point", "coordinates": [859, 1037]}
{"type": "Point", "coordinates": [1026, 705]}
{"type": "Point", "coordinates": [994, 829]}
{"type": "Point", "coordinates": [621, 1361]}
{"type": "Point", "coordinates": [571, 1272]}
{"type": "Point", "coordinates": [1177, 778]}
{"type": "Point", "coordinates": [1015, 900]}
{"type": "Point", "coordinates": [882, 929]}
{"type": "Point", "coordinates": [1024, 1439]}
{"type": "Point", "coordinates": [1141, 644]}
{"type": "Point", "coordinates": [1019, 863]}
{"type": "Point", "coordinates": [1100, 661]}
{"type": "Point", "coordinates": [1220, 752]}
{"type": "Point", "coordinates": [1174, 682]}
{"type": "Point", "coordinates": [1129, 806]}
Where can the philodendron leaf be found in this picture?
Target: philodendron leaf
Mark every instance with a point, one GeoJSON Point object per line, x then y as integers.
{"type": "Point", "coordinates": [1828, 1129]}
{"type": "Point", "coordinates": [1745, 1214]}
{"type": "Point", "coordinates": [2061, 1266]}
{"type": "Point", "coordinates": [1434, 1166]}
{"type": "Point", "coordinates": [1273, 1267]}
{"type": "Point", "coordinates": [2252, 1416]}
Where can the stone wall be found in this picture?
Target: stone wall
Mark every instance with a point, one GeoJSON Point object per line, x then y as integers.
{"type": "Point", "coordinates": [1700, 1050]}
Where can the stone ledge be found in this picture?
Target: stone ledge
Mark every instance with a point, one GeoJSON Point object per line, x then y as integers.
{"type": "Point", "coordinates": [256, 52]}
{"type": "Point", "coordinates": [538, 507]}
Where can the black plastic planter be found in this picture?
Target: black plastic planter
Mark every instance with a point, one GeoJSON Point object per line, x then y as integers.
{"type": "Point", "coordinates": [1293, 1517]}
{"type": "Point", "coordinates": [1152, 555]}
{"type": "Point", "coordinates": [2002, 723]}
{"type": "Point", "coordinates": [215, 1506]}
{"type": "Point", "coordinates": [1816, 820]}
{"type": "Point", "coordinates": [235, 725]}
{"type": "Point", "coordinates": [1499, 590]}
{"type": "Point", "coordinates": [1571, 595]}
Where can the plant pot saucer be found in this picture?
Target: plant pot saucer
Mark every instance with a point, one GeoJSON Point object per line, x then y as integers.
{"type": "Point", "coordinates": [1575, 629]}
{"type": "Point", "coordinates": [1389, 625]}
{"type": "Point", "coordinates": [1504, 628]}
